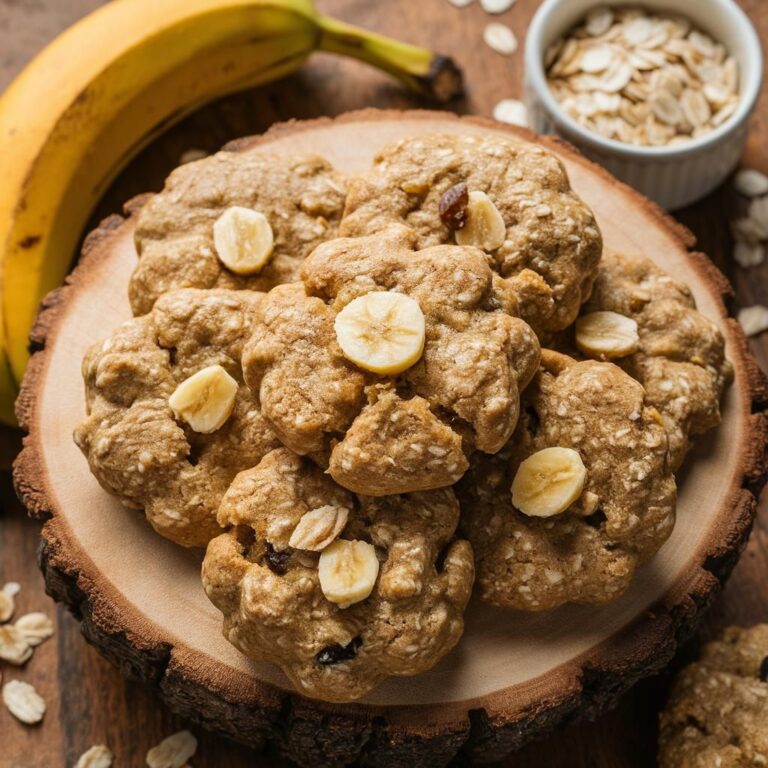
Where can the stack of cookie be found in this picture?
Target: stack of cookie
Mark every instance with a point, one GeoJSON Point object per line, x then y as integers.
{"type": "Point", "coordinates": [366, 395]}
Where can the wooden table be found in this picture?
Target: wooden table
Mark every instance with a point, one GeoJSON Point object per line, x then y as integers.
{"type": "Point", "coordinates": [89, 702]}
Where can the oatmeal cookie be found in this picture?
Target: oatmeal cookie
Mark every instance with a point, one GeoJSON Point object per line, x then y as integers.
{"type": "Point", "coordinates": [609, 516]}
{"type": "Point", "coordinates": [549, 245]}
{"type": "Point", "coordinates": [135, 445]}
{"type": "Point", "coordinates": [680, 355]}
{"type": "Point", "coordinates": [717, 713]}
{"type": "Point", "coordinates": [382, 434]}
{"type": "Point", "coordinates": [302, 199]}
{"type": "Point", "coordinates": [407, 594]}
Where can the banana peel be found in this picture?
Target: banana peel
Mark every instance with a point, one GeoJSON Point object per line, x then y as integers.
{"type": "Point", "coordinates": [108, 85]}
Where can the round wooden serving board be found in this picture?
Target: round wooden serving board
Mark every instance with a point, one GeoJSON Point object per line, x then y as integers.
{"type": "Point", "coordinates": [513, 675]}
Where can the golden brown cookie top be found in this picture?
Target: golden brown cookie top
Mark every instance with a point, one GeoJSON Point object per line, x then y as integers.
{"type": "Point", "coordinates": [579, 497]}
{"type": "Point", "coordinates": [549, 245]}
{"type": "Point", "coordinates": [392, 433]}
{"type": "Point", "coordinates": [717, 713]}
{"type": "Point", "coordinates": [340, 591]}
{"type": "Point", "coordinates": [301, 198]}
{"type": "Point", "coordinates": [679, 356]}
{"type": "Point", "coordinates": [138, 447]}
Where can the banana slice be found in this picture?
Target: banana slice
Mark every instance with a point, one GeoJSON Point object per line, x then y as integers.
{"type": "Point", "coordinates": [548, 482]}
{"type": "Point", "coordinates": [348, 571]}
{"type": "Point", "coordinates": [243, 240]}
{"type": "Point", "coordinates": [382, 332]}
{"type": "Point", "coordinates": [607, 334]}
{"type": "Point", "coordinates": [205, 400]}
{"type": "Point", "coordinates": [484, 227]}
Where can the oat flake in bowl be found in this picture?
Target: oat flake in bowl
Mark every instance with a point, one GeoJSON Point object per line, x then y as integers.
{"type": "Point", "coordinates": [660, 94]}
{"type": "Point", "coordinates": [643, 78]}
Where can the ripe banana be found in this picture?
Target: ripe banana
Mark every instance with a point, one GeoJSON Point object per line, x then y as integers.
{"type": "Point", "coordinates": [205, 400]}
{"type": "Point", "coordinates": [347, 571]}
{"type": "Point", "coordinates": [548, 482]}
{"type": "Point", "coordinates": [607, 334]}
{"type": "Point", "coordinates": [382, 332]}
{"type": "Point", "coordinates": [485, 227]}
{"type": "Point", "coordinates": [103, 89]}
{"type": "Point", "coordinates": [243, 239]}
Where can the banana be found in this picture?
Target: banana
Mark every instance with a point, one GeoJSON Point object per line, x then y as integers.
{"type": "Point", "coordinates": [243, 240]}
{"type": "Point", "coordinates": [109, 84]}
{"type": "Point", "coordinates": [205, 400]}
{"type": "Point", "coordinates": [484, 227]}
{"type": "Point", "coordinates": [607, 334]}
{"type": "Point", "coordinates": [347, 571]}
{"type": "Point", "coordinates": [382, 332]}
{"type": "Point", "coordinates": [548, 482]}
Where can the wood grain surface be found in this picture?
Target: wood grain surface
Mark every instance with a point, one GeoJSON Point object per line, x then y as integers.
{"type": "Point", "coordinates": [89, 702]}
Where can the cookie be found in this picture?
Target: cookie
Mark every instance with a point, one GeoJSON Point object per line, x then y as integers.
{"type": "Point", "coordinates": [138, 447]}
{"type": "Point", "coordinates": [549, 244]}
{"type": "Point", "coordinates": [281, 584]}
{"type": "Point", "coordinates": [717, 713]}
{"type": "Point", "coordinates": [589, 466]}
{"type": "Point", "coordinates": [302, 199]}
{"type": "Point", "coordinates": [679, 356]}
{"type": "Point", "coordinates": [379, 433]}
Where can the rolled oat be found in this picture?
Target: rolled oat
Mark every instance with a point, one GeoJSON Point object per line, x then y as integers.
{"type": "Point", "coordinates": [754, 319]}
{"type": "Point", "coordinates": [35, 628]}
{"type": "Point", "coordinates": [671, 83]}
{"type": "Point", "coordinates": [172, 752]}
{"type": "Point", "coordinates": [23, 702]}
{"type": "Point", "coordinates": [96, 757]}
{"type": "Point", "coordinates": [500, 38]}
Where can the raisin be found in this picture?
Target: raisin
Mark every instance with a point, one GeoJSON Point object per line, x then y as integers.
{"type": "Point", "coordinates": [763, 673]}
{"type": "Point", "coordinates": [334, 653]}
{"type": "Point", "coordinates": [277, 561]}
{"type": "Point", "coordinates": [453, 207]}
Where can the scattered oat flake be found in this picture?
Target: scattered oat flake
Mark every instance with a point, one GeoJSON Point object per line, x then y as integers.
{"type": "Point", "coordinates": [35, 627]}
{"type": "Point", "coordinates": [749, 230]}
{"type": "Point", "coordinates": [460, 3]}
{"type": "Point", "coordinates": [96, 757]}
{"type": "Point", "coordinates": [496, 6]}
{"type": "Point", "coordinates": [12, 588]}
{"type": "Point", "coordinates": [754, 319]}
{"type": "Point", "coordinates": [748, 254]}
{"type": "Point", "coordinates": [13, 646]}
{"type": "Point", "coordinates": [758, 212]}
{"type": "Point", "coordinates": [23, 701]}
{"type": "Point", "coordinates": [751, 183]}
{"type": "Point", "coordinates": [500, 38]}
{"type": "Point", "coordinates": [7, 607]}
{"type": "Point", "coordinates": [190, 155]}
{"type": "Point", "coordinates": [172, 752]}
{"type": "Point", "coordinates": [318, 528]}
{"type": "Point", "coordinates": [511, 111]}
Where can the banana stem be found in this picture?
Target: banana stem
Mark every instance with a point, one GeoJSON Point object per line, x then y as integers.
{"type": "Point", "coordinates": [427, 73]}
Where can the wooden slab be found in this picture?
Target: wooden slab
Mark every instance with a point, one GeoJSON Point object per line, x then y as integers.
{"type": "Point", "coordinates": [513, 674]}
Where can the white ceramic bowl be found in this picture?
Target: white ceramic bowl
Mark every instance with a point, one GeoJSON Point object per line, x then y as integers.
{"type": "Point", "coordinates": [672, 176]}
